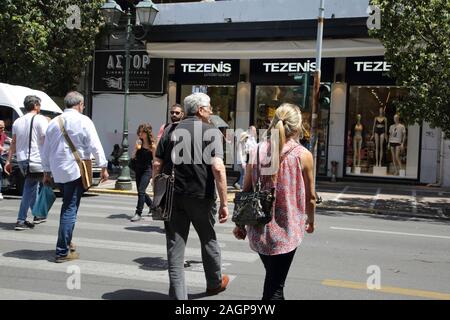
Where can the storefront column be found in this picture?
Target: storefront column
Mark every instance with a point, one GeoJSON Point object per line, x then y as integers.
{"type": "Point", "coordinates": [243, 105]}
{"type": "Point", "coordinates": [446, 164]}
{"type": "Point", "coordinates": [172, 94]}
{"type": "Point", "coordinates": [337, 127]}
{"type": "Point", "coordinates": [431, 144]}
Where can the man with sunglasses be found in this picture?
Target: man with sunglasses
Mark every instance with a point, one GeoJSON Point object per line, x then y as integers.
{"type": "Point", "coordinates": [176, 115]}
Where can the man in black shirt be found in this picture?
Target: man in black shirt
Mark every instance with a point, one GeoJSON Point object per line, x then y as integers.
{"type": "Point", "coordinates": [195, 149]}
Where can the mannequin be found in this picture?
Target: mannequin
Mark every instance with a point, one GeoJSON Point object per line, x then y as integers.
{"type": "Point", "coordinates": [357, 142]}
{"type": "Point", "coordinates": [397, 137]}
{"type": "Point", "coordinates": [379, 133]}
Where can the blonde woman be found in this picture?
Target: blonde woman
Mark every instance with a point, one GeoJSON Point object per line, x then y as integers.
{"type": "Point", "coordinates": [294, 207]}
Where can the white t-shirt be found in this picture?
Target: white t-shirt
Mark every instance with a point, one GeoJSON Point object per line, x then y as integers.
{"type": "Point", "coordinates": [21, 128]}
{"type": "Point", "coordinates": [397, 133]}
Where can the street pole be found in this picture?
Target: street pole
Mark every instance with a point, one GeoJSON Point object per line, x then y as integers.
{"type": "Point", "coordinates": [316, 87]}
{"type": "Point", "coordinates": [124, 180]}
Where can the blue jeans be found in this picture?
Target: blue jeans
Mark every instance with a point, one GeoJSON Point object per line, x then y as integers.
{"type": "Point", "coordinates": [142, 181]}
{"type": "Point", "coordinates": [71, 192]}
{"type": "Point", "coordinates": [29, 194]}
{"type": "Point", "coordinates": [241, 178]}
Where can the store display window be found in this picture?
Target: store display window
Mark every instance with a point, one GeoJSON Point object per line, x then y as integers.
{"type": "Point", "coordinates": [378, 143]}
{"type": "Point", "coordinates": [223, 104]}
{"type": "Point", "coordinates": [269, 97]}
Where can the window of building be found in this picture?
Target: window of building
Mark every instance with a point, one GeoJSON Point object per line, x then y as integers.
{"type": "Point", "coordinates": [269, 97]}
{"type": "Point", "coordinates": [378, 143]}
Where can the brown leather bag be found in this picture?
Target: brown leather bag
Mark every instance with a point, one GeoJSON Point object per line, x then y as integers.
{"type": "Point", "coordinates": [84, 165]}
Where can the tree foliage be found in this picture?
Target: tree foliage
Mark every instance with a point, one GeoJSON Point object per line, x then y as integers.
{"type": "Point", "coordinates": [416, 35]}
{"type": "Point", "coordinates": [38, 50]}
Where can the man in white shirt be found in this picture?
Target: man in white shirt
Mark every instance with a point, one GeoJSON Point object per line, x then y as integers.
{"type": "Point", "coordinates": [27, 151]}
{"type": "Point", "coordinates": [59, 161]}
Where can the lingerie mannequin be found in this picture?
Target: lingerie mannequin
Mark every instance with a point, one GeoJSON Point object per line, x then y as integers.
{"type": "Point", "coordinates": [397, 137]}
{"type": "Point", "coordinates": [379, 133]}
{"type": "Point", "coordinates": [357, 142]}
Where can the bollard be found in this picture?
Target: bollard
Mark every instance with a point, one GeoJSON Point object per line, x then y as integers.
{"type": "Point", "coordinates": [334, 166]}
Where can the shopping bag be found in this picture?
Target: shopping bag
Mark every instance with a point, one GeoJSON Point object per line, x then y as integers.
{"type": "Point", "coordinates": [44, 202]}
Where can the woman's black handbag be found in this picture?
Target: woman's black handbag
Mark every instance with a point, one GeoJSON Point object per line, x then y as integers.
{"type": "Point", "coordinates": [254, 208]}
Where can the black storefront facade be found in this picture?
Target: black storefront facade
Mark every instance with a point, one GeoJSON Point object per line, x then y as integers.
{"type": "Point", "coordinates": [261, 81]}
{"type": "Point", "coordinates": [377, 143]}
{"type": "Point", "coordinates": [277, 81]}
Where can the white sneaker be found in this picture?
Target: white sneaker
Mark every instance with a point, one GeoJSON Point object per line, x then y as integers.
{"type": "Point", "coordinates": [1, 196]}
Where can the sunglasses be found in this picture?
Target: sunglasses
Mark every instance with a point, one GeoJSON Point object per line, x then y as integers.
{"type": "Point", "coordinates": [175, 112]}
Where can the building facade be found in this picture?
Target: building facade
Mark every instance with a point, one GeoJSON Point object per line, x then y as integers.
{"type": "Point", "coordinates": [252, 55]}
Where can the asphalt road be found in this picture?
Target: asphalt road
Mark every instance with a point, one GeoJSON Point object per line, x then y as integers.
{"type": "Point", "coordinates": [408, 258]}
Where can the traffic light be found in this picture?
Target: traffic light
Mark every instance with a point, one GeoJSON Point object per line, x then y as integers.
{"type": "Point", "coordinates": [325, 95]}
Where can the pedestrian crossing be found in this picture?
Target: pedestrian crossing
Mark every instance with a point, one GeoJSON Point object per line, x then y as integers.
{"type": "Point", "coordinates": [111, 248]}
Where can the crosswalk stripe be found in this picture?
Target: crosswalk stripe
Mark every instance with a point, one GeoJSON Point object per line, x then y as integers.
{"type": "Point", "coordinates": [100, 214]}
{"type": "Point", "coordinates": [228, 237]}
{"type": "Point", "coordinates": [105, 269]}
{"type": "Point", "coordinates": [12, 294]}
{"type": "Point", "coordinates": [122, 246]}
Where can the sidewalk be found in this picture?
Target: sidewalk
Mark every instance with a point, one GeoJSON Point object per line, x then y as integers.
{"type": "Point", "coordinates": [392, 200]}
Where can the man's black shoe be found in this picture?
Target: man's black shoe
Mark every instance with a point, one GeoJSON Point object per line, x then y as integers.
{"type": "Point", "coordinates": [23, 225]}
{"type": "Point", "coordinates": [37, 220]}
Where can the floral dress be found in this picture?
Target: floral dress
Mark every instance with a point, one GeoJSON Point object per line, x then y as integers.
{"type": "Point", "coordinates": [286, 230]}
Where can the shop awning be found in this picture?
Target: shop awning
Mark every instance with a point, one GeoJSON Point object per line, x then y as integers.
{"type": "Point", "coordinates": [265, 50]}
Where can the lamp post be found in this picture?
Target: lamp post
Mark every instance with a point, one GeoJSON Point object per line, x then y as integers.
{"type": "Point", "coordinates": [146, 12]}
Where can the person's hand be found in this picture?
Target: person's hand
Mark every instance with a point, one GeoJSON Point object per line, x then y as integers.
{"type": "Point", "coordinates": [309, 226]}
{"type": "Point", "coordinates": [47, 180]}
{"type": "Point", "coordinates": [402, 147]}
{"type": "Point", "coordinates": [104, 175]}
{"type": "Point", "coordinates": [223, 213]}
{"type": "Point", "coordinates": [239, 232]}
{"type": "Point", "coordinates": [243, 166]}
{"type": "Point", "coordinates": [8, 168]}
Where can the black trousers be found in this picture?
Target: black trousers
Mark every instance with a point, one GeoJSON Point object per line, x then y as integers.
{"type": "Point", "coordinates": [142, 181]}
{"type": "Point", "coordinates": [277, 268]}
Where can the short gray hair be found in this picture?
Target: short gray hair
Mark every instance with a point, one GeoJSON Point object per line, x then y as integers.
{"type": "Point", "coordinates": [30, 101]}
{"type": "Point", "coordinates": [72, 99]}
{"type": "Point", "coordinates": [195, 101]}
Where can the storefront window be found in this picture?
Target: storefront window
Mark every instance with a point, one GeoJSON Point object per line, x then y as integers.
{"type": "Point", "coordinates": [223, 103]}
{"type": "Point", "coordinates": [378, 143]}
{"type": "Point", "coordinates": [269, 98]}
{"type": "Point", "coordinates": [223, 100]}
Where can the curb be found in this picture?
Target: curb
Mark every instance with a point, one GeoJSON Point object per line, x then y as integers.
{"type": "Point", "coordinates": [322, 207]}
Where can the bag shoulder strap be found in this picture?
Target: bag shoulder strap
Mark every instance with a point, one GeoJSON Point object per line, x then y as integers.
{"type": "Point", "coordinates": [69, 142]}
{"type": "Point", "coordinates": [29, 140]}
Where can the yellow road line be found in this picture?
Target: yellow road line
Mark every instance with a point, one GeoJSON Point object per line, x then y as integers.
{"type": "Point", "coordinates": [393, 290]}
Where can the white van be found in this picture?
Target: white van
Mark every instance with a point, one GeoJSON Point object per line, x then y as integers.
{"type": "Point", "coordinates": [11, 108]}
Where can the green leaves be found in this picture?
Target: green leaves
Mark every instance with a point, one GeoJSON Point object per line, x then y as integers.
{"type": "Point", "coordinates": [416, 35]}
{"type": "Point", "coordinates": [38, 50]}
